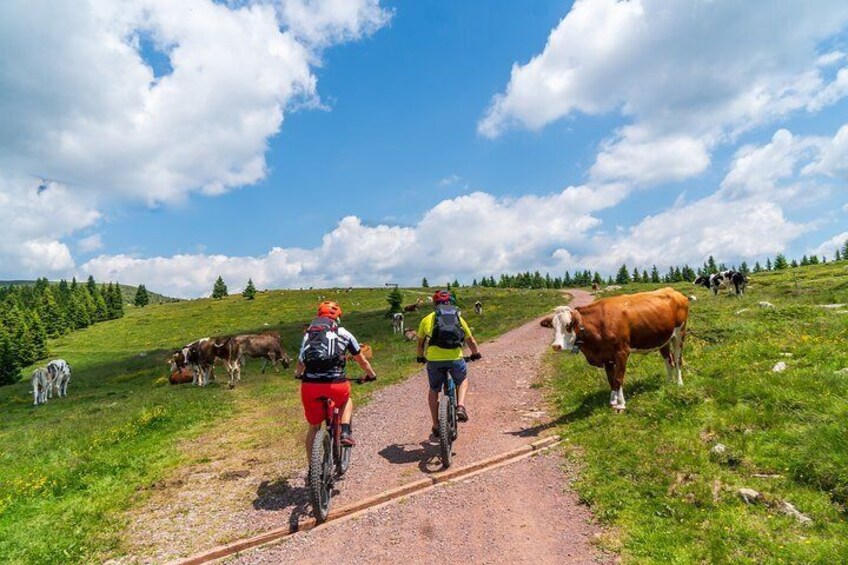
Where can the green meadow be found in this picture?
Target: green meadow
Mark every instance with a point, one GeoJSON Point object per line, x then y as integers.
{"type": "Point", "coordinates": [648, 473]}
{"type": "Point", "coordinates": [72, 468]}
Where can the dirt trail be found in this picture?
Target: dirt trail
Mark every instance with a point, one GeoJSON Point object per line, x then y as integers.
{"type": "Point", "coordinates": [520, 512]}
{"type": "Point", "coordinates": [524, 507]}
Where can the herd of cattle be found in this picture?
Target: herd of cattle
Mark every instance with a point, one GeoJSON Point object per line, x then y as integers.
{"type": "Point", "coordinates": [608, 330]}
{"type": "Point", "coordinates": [605, 331]}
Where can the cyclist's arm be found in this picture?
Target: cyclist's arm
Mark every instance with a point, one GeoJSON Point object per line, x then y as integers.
{"type": "Point", "coordinates": [300, 368]}
{"type": "Point", "coordinates": [469, 339]}
{"type": "Point", "coordinates": [364, 364]}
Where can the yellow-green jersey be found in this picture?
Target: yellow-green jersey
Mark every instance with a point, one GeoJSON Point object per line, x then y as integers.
{"type": "Point", "coordinates": [434, 352]}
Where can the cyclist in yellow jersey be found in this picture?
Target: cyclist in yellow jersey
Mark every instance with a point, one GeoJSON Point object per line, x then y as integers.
{"type": "Point", "coordinates": [441, 336]}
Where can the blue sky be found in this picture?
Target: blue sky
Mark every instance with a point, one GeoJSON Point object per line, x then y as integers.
{"type": "Point", "coordinates": [357, 141]}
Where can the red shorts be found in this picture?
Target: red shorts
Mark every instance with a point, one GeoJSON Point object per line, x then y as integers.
{"type": "Point", "coordinates": [310, 396]}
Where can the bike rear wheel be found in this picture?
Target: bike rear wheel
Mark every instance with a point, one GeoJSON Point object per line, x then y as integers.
{"type": "Point", "coordinates": [321, 475]}
{"type": "Point", "coordinates": [445, 432]}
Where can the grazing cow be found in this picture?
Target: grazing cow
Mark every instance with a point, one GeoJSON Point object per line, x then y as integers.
{"type": "Point", "coordinates": [59, 373]}
{"type": "Point", "coordinates": [722, 280]}
{"type": "Point", "coordinates": [410, 335]}
{"type": "Point", "coordinates": [547, 321]}
{"type": "Point", "coordinates": [413, 307]}
{"type": "Point", "coordinates": [478, 308]}
{"type": "Point", "coordinates": [397, 323]}
{"type": "Point", "coordinates": [40, 385]}
{"type": "Point", "coordinates": [607, 331]}
{"type": "Point", "coordinates": [201, 355]}
{"type": "Point", "coordinates": [267, 346]}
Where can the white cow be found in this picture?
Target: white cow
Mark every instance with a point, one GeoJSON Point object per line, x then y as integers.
{"type": "Point", "coordinates": [59, 373]}
{"type": "Point", "coordinates": [478, 308]}
{"type": "Point", "coordinates": [40, 384]}
{"type": "Point", "coordinates": [397, 323]}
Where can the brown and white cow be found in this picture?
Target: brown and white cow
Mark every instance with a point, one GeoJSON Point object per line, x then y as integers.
{"type": "Point", "coordinates": [201, 355]}
{"type": "Point", "coordinates": [606, 331]}
{"type": "Point", "coordinates": [413, 307]}
{"type": "Point", "coordinates": [266, 346]}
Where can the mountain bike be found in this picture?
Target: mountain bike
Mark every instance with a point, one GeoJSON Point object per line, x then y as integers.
{"type": "Point", "coordinates": [448, 428]}
{"type": "Point", "coordinates": [329, 459]}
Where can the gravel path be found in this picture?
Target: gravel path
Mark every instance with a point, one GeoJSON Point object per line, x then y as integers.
{"type": "Point", "coordinates": [530, 510]}
{"type": "Point", "coordinates": [524, 511]}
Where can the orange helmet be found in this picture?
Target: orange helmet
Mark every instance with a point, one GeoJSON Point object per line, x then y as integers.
{"type": "Point", "coordinates": [329, 309]}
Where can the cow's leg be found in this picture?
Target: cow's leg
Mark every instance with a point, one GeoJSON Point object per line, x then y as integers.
{"type": "Point", "coordinates": [609, 367]}
{"type": "Point", "coordinates": [677, 350]}
{"type": "Point", "coordinates": [619, 369]}
{"type": "Point", "coordinates": [668, 358]}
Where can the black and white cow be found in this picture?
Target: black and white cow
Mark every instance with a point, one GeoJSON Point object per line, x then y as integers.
{"type": "Point", "coordinates": [723, 280]}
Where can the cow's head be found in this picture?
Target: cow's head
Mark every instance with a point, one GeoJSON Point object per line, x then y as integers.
{"type": "Point", "coordinates": [177, 360]}
{"type": "Point", "coordinates": [702, 281]}
{"type": "Point", "coordinates": [285, 360]}
{"type": "Point", "coordinates": [565, 321]}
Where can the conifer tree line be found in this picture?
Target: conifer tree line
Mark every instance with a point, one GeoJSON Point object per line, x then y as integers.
{"type": "Point", "coordinates": [624, 275]}
{"type": "Point", "coordinates": [29, 314]}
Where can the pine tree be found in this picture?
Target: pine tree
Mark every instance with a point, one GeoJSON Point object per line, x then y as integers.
{"type": "Point", "coordinates": [52, 315]}
{"type": "Point", "coordinates": [141, 297]}
{"type": "Point", "coordinates": [395, 300]}
{"type": "Point", "coordinates": [711, 265]}
{"type": "Point", "coordinates": [220, 289]}
{"type": "Point", "coordinates": [768, 264]}
{"type": "Point", "coordinates": [424, 283]}
{"type": "Point", "coordinates": [655, 275]}
{"type": "Point", "coordinates": [645, 277]}
{"type": "Point", "coordinates": [9, 366]}
{"type": "Point", "coordinates": [793, 264]}
{"type": "Point", "coordinates": [249, 291]}
{"type": "Point", "coordinates": [743, 268]}
{"type": "Point", "coordinates": [622, 277]}
{"type": "Point", "coordinates": [596, 279]}
{"type": "Point", "coordinates": [757, 267]}
{"type": "Point", "coordinates": [456, 283]}
{"type": "Point", "coordinates": [780, 262]}
{"type": "Point", "coordinates": [636, 277]}
{"type": "Point", "coordinates": [845, 250]}
{"type": "Point", "coordinates": [837, 256]}
{"type": "Point", "coordinates": [39, 335]}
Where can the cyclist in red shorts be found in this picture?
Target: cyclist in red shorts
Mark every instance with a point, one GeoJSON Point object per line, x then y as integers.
{"type": "Point", "coordinates": [321, 366]}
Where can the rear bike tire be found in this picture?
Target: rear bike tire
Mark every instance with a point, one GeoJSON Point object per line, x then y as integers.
{"type": "Point", "coordinates": [320, 475]}
{"type": "Point", "coordinates": [445, 434]}
{"type": "Point", "coordinates": [343, 463]}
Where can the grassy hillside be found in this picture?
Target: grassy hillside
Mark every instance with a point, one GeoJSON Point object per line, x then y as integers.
{"type": "Point", "coordinates": [128, 292]}
{"type": "Point", "coordinates": [73, 467]}
{"type": "Point", "coordinates": [649, 472]}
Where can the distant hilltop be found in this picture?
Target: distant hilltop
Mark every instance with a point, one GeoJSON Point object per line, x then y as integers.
{"type": "Point", "coordinates": [127, 292]}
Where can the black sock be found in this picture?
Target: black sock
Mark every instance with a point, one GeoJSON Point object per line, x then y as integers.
{"type": "Point", "coordinates": [346, 428]}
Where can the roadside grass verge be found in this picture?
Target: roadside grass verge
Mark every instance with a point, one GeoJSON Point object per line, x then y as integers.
{"type": "Point", "coordinates": [649, 472]}
{"type": "Point", "coordinates": [72, 469]}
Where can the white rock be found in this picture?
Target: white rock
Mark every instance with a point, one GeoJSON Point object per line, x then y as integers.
{"type": "Point", "coordinates": [764, 304]}
{"type": "Point", "coordinates": [832, 306]}
{"type": "Point", "coordinates": [740, 311]}
{"type": "Point", "coordinates": [842, 371]}
{"type": "Point", "coordinates": [749, 495]}
{"type": "Point", "coordinates": [779, 367]}
{"type": "Point", "coordinates": [785, 354]}
{"type": "Point", "coordinates": [718, 449]}
{"type": "Point", "coordinates": [789, 508]}
{"type": "Point", "coordinates": [692, 298]}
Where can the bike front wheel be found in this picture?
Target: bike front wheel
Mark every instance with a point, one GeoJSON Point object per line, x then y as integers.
{"type": "Point", "coordinates": [320, 475]}
{"type": "Point", "coordinates": [445, 432]}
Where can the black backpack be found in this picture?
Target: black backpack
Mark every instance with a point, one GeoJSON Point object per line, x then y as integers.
{"type": "Point", "coordinates": [447, 329]}
{"type": "Point", "coordinates": [321, 353]}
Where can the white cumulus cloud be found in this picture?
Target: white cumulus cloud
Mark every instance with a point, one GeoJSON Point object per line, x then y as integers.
{"type": "Point", "coordinates": [688, 75]}
{"type": "Point", "coordinates": [81, 105]}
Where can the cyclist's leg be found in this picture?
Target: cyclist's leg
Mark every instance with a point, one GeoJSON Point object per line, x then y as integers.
{"type": "Point", "coordinates": [436, 375]}
{"type": "Point", "coordinates": [313, 410]}
{"type": "Point", "coordinates": [459, 372]}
